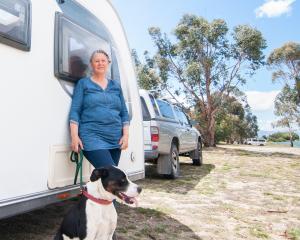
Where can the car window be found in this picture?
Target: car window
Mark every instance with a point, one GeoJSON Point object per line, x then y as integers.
{"type": "Point", "coordinates": [146, 114]}
{"type": "Point", "coordinates": [184, 118]}
{"type": "Point", "coordinates": [181, 116]}
{"type": "Point", "coordinates": [165, 109]}
{"type": "Point", "coordinates": [178, 115]}
{"type": "Point", "coordinates": [152, 99]}
{"type": "Point", "coordinates": [15, 27]}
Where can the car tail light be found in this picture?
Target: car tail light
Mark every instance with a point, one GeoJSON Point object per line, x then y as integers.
{"type": "Point", "coordinates": [154, 134]}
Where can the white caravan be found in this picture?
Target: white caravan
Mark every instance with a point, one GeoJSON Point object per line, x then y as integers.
{"type": "Point", "coordinates": [44, 49]}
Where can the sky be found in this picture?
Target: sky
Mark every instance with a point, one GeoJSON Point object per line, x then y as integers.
{"type": "Point", "coordinates": [278, 20]}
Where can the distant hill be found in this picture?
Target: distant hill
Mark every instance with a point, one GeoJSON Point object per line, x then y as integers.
{"type": "Point", "coordinates": [267, 133]}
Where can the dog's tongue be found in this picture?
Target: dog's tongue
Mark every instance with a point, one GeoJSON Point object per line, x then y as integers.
{"type": "Point", "coordinates": [130, 200]}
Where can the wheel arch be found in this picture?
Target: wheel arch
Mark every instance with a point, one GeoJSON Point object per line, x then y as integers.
{"type": "Point", "coordinates": [175, 141]}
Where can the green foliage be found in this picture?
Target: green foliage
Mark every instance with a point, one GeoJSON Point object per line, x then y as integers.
{"type": "Point", "coordinates": [235, 122]}
{"type": "Point", "coordinates": [286, 63]}
{"type": "Point", "coordinates": [146, 74]}
{"type": "Point", "coordinates": [208, 64]}
{"type": "Point", "coordinates": [247, 41]}
{"type": "Point", "coordinates": [287, 109]}
{"type": "Point", "coordinates": [282, 137]}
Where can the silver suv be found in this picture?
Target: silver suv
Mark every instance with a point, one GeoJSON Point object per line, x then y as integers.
{"type": "Point", "coordinates": [168, 133]}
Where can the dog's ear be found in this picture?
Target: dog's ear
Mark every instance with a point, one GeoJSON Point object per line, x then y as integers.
{"type": "Point", "coordinates": [98, 173]}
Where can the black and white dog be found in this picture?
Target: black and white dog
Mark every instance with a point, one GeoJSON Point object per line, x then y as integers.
{"type": "Point", "coordinates": [95, 217]}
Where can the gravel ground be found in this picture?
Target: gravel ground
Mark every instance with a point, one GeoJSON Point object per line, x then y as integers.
{"type": "Point", "coordinates": [266, 149]}
{"type": "Point", "coordinates": [240, 192]}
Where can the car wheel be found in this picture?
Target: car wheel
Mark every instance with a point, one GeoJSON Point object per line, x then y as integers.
{"type": "Point", "coordinates": [199, 160]}
{"type": "Point", "coordinates": [174, 159]}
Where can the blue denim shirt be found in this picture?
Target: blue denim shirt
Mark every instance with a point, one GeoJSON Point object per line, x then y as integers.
{"type": "Point", "coordinates": [100, 114]}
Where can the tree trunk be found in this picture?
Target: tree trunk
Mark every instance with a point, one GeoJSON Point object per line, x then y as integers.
{"type": "Point", "coordinates": [291, 139]}
{"type": "Point", "coordinates": [211, 129]}
{"type": "Point", "coordinates": [298, 87]}
{"type": "Point", "coordinates": [210, 111]}
{"type": "Point", "coordinates": [292, 144]}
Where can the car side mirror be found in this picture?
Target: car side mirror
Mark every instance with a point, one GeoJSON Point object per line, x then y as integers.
{"type": "Point", "coordinates": [193, 123]}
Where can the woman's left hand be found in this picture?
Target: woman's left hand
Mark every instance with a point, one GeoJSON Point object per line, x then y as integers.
{"type": "Point", "coordinates": [124, 142]}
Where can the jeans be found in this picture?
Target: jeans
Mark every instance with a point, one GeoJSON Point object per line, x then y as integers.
{"type": "Point", "coordinates": [103, 157]}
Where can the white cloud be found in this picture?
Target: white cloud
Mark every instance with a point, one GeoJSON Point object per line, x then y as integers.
{"type": "Point", "coordinates": [261, 101]}
{"type": "Point", "coordinates": [274, 8]}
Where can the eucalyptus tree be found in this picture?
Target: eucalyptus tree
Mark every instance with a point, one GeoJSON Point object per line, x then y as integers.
{"type": "Point", "coordinates": [235, 121]}
{"type": "Point", "coordinates": [147, 76]}
{"type": "Point", "coordinates": [287, 110]}
{"type": "Point", "coordinates": [286, 63]}
{"type": "Point", "coordinates": [205, 60]}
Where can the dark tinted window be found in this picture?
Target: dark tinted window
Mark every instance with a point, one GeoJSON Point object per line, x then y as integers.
{"type": "Point", "coordinates": [15, 23]}
{"type": "Point", "coordinates": [74, 47]}
{"type": "Point", "coordinates": [154, 105]}
{"type": "Point", "coordinates": [165, 109]}
{"type": "Point", "coordinates": [146, 114]}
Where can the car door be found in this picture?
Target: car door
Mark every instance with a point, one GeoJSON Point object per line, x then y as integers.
{"type": "Point", "coordinates": [182, 130]}
{"type": "Point", "coordinates": [167, 125]}
{"type": "Point", "coordinates": [190, 134]}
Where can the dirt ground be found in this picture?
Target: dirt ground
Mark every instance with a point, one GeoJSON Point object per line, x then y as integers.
{"type": "Point", "coordinates": [239, 193]}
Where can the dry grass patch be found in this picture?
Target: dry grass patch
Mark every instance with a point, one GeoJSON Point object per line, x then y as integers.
{"type": "Point", "coordinates": [236, 194]}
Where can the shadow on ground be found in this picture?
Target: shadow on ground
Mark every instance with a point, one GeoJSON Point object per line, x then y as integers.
{"type": "Point", "coordinates": [41, 224]}
{"type": "Point", "coordinates": [133, 224]}
{"type": "Point", "coordinates": [190, 176]}
{"type": "Point", "coordinates": [145, 223]}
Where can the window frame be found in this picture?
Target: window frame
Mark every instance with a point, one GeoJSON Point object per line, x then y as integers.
{"type": "Point", "coordinates": [59, 18]}
{"type": "Point", "coordinates": [162, 113]}
{"type": "Point", "coordinates": [154, 105]}
{"type": "Point", "coordinates": [187, 119]}
{"type": "Point", "coordinates": [15, 43]}
{"type": "Point", "coordinates": [145, 111]}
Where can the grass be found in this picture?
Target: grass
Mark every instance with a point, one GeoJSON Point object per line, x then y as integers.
{"type": "Point", "coordinates": [275, 196]}
{"type": "Point", "coordinates": [259, 233]}
{"type": "Point", "coordinates": [294, 233]}
{"type": "Point", "coordinates": [235, 195]}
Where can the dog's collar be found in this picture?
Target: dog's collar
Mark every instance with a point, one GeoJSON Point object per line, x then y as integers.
{"type": "Point", "coordinates": [96, 200]}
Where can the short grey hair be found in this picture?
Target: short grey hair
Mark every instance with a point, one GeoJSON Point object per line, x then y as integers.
{"type": "Point", "coordinates": [102, 52]}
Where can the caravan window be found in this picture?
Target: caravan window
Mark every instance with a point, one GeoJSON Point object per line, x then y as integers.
{"type": "Point", "coordinates": [74, 46]}
{"type": "Point", "coordinates": [15, 23]}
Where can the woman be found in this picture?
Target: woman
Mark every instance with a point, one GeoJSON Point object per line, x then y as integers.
{"type": "Point", "coordinates": [98, 117]}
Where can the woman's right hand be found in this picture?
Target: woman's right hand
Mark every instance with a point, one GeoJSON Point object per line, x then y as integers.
{"type": "Point", "coordinates": [76, 144]}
